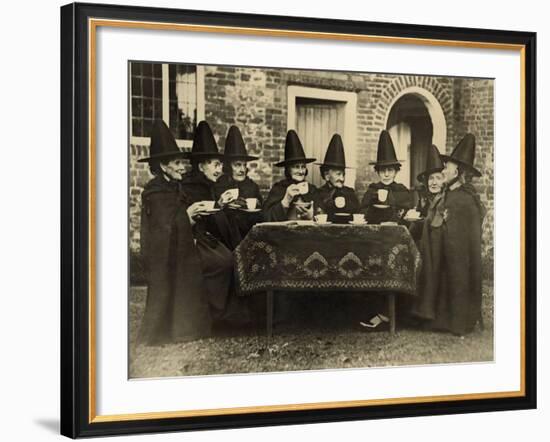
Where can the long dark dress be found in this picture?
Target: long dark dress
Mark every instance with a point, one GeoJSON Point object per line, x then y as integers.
{"type": "Point", "coordinates": [327, 195]}
{"type": "Point", "coordinates": [247, 189]}
{"type": "Point", "coordinates": [449, 290]}
{"type": "Point", "coordinates": [399, 197]}
{"type": "Point", "coordinates": [273, 210]}
{"type": "Point", "coordinates": [198, 188]}
{"type": "Point", "coordinates": [178, 288]}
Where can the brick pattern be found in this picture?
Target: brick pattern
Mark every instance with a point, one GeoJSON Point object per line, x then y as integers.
{"type": "Point", "coordinates": [256, 101]}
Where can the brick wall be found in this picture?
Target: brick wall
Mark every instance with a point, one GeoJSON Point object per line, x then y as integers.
{"type": "Point", "coordinates": [256, 101]}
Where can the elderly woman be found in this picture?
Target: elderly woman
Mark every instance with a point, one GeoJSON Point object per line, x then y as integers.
{"type": "Point", "coordinates": [245, 210]}
{"type": "Point", "coordinates": [449, 295]}
{"type": "Point", "coordinates": [177, 285]}
{"type": "Point", "coordinates": [215, 235]}
{"type": "Point", "coordinates": [292, 198]}
{"type": "Point", "coordinates": [432, 184]}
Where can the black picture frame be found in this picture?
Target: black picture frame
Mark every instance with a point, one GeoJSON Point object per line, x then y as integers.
{"type": "Point", "coordinates": [76, 403]}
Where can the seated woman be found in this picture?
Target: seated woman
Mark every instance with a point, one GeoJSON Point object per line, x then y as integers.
{"type": "Point", "coordinates": [177, 305]}
{"type": "Point", "coordinates": [215, 235]}
{"type": "Point", "coordinates": [245, 210]}
{"type": "Point", "coordinates": [199, 185]}
{"type": "Point", "coordinates": [386, 200]}
{"type": "Point", "coordinates": [292, 198]}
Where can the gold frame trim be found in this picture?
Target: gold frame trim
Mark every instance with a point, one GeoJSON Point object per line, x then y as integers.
{"type": "Point", "coordinates": [93, 24]}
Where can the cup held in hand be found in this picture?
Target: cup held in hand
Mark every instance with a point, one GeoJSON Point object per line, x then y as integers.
{"type": "Point", "coordinates": [234, 193]}
{"type": "Point", "coordinates": [208, 205]}
{"type": "Point", "coordinates": [382, 195]}
{"type": "Point", "coordinates": [303, 187]}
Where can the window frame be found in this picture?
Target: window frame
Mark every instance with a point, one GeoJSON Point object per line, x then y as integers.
{"type": "Point", "coordinates": [182, 144]}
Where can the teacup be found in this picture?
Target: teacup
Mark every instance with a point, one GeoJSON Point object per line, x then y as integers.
{"type": "Point", "coordinates": [322, 218]}
{"type": "Point", "coordinates": [251, 203]}
{"type": "Point", "coordinates": [339, 202]}
{"type": "Point", "coordinates": [304, 188]}
{"type": "Point", "coordinates": [208, 205]}
{"type": "Point", "coordinates": [358, 218]}
{"type": "Point", "coordinates": [234, 193]}
{"type": "Point", "coordinates": [382, 195]}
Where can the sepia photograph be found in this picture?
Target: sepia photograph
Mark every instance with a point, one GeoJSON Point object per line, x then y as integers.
{"type": "Point", "coordinates": [290, 220]}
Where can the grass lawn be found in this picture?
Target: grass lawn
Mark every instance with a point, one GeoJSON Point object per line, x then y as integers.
{"type": "Point", "coordinates": [325, 337]}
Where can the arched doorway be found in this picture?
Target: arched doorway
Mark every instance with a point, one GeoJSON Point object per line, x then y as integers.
{"type": "Point", "coordinates": [415, 121]}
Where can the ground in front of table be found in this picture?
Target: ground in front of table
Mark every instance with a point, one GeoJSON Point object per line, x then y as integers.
{"type": "Point", "coordinates": [311, 342]}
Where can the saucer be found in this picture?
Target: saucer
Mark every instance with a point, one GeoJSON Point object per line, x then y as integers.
{"type": "Point", "coordinates": [361, 223]}
{"type": "Point", "coordinates": [250, 210]}
{"type": "Point", "coordinates": [209, 211]}
{"type": "Point", "coordinates": [381, 206]}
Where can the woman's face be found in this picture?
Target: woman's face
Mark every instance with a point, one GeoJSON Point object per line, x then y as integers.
{"type": "Point", "coordinates": [298, 171]}
{"type": "Point", "coordinates": [238, 169]}
{"type": "Point", "coordinates": [451, 171]}
{"type": "Point", "coordinates": [435, 182]}
{"type": "Point", "coordinates": [212, 169]}
{"type": "Point", "coordinates": [174, 169]}
{"type": "Point", "coordinates": [336, 177]}
{"type": "Point", "coordinates": [387, 174]}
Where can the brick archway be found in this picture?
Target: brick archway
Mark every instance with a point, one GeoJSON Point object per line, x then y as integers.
{"type": "Point", "coordinates": [433, 94]}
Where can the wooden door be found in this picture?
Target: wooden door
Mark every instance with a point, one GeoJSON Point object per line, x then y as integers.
{"type": "Point", "coordinates": [316, 122]}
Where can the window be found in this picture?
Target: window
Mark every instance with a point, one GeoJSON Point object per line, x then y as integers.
{"type": "Point", "coordinates": [172, 92]}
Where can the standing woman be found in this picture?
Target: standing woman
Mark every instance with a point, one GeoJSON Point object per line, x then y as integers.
{"type": "Point", "coordinates": [432, 184]}
{"type": "Point", "coordinates": [176, 307]}
{"type": "Point", "coordinates": [449, 296]}
{"type": "Point", "coordinates": [293, 197]}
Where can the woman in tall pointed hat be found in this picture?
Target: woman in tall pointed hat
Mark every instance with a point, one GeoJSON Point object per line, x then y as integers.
{"type": "Point", "coordinates": [292, 197]}
{"type": "Point", "coordinates": [432, 180]}
{"type": "Point", "coordinates": [386, 200]}
{"type": "Point", "coordinates": [245, 211]}
{"type": "Point", "coordinates": [334, 197]}
{"type": "Point", "coordinates": [176, 307]}
{"type": "Point", "coordinates": [215, 235]}
{"type": "Point", "coordinates": [450, 281]}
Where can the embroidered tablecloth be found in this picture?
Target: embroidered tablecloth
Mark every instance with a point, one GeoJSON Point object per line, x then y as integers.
{"type": "Point", "coordinates": [327, 257]}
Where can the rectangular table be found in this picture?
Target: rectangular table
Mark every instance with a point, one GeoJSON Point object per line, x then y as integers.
{"type": "Point", "coordinates": [309, 257]}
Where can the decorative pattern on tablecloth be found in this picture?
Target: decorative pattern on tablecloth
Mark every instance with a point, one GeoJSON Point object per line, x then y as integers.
{"type": "Point", "coordinates": [300, 257]}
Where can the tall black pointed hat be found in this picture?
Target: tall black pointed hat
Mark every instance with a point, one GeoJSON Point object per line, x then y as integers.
{"type": "Point", "coordinates": [434, 164]}
{"type": "Point", "coordinates": [204, 144]}
{"type": "Point", "coordinates": [464, 154]}
{"type": "Point", "coordinates": [335, 156]}
{"type": "Point", "coordinates": [163, 144]}
{"type": "Point", "coordinates": [294, 152]}
{"type": "Point", "coordinates": [385, 155]}
{"type": "Point", "coordinates": [235, 148]}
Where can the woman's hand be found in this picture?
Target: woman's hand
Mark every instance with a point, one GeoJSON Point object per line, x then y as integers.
{"type": "Point", "coordinates": [194, 210]}
{"type": "Point", "coordinates": [226, 198]}
{"type": "Point", "coordinates": [291, 191]}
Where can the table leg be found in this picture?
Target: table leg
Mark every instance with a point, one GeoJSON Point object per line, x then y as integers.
{"type": "Point", "coordinates": [391, 311]}
{"type": "Point", "coordinates": [269, 316]}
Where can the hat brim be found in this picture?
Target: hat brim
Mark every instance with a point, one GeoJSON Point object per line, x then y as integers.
{"type": "Point", "coordinates": [470, 168]}
{"type": "Point", "coordinates": [336, 166]}
{"type": "Point", "coordinates": [422, 176]}
{"type": "Point", "coordinates": [240, 158]}
{"type": "Point", "coordinates": [294, 161]}
{"type": "Point", "coordinates": [205, 155]}
{"type": "Point", "coordinates": [168, 155]}
{"type": "Point", "coordinates": [386, 163]}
